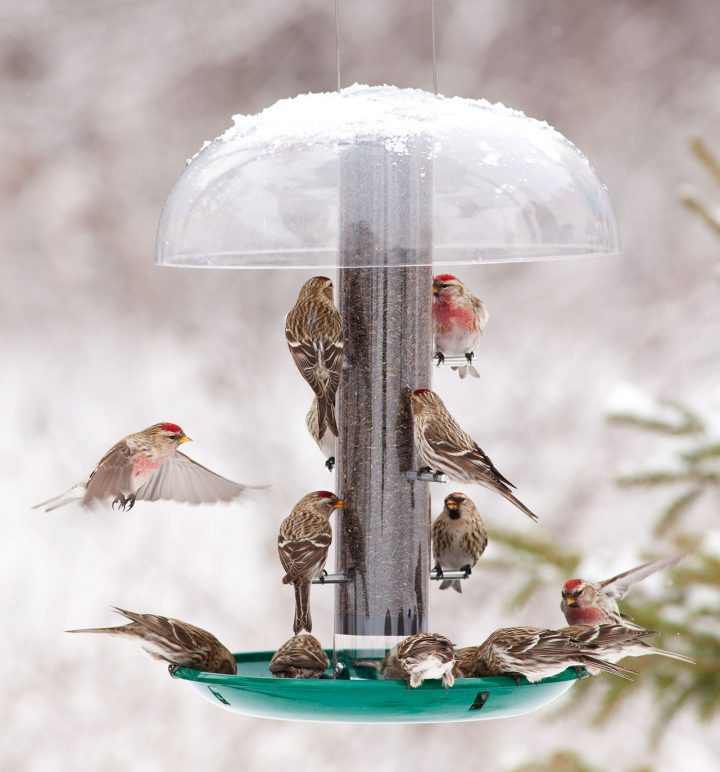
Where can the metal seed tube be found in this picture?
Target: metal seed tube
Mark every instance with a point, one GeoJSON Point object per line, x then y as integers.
{"type": "Point", "coordinates": [383, 535]}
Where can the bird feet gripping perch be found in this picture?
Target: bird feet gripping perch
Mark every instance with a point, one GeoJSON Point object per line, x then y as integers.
{"type": "Point", "coordinates": [440, 358]}
{"type": "Point", "coordinates": [124, 503]}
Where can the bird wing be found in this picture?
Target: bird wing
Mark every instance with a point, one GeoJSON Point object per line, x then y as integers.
{"type": "Point", "coordinates": [417, 647]}
{"type": "Point", "coordinates": [299, 557]}
{"type": "Point", "coordinates": [299, 655]}
{"type": "Point", "coordinates": [533, 643]}
{"type": "Point", "coordinates": [458, 449]}
{"type": "Point", "coordinates": [112, 475]}
{"type": "Point", "coordinates": [619, 586]}
{"type": "Point", "coordinates": [182, 479]}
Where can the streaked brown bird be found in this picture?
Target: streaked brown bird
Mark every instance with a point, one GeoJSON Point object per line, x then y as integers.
{"type": "Point", "coordinates": [420, 657]}
{"type": "Point", "coordinates": [614, 642]}
{"type": "Point", "coordinates": [532, 652]}
{"type": "Point", "coordinates": [459, 319]}
{"type": "Point", "coordinates": [593, 603]}
{"type": "Point", "coordinates": [445, 447]}
{"type": "Point", "coordinates": [459, 538]}
{"type": "Point", "coordinates": [147, 466]}
{"type": "Point", "coordinates": [314, 336]}
{"type": "Point", "coordinates": [303, 543]}
{"type": "Point", "coordinates": [301, 656]}
{"type": "Point", "coordinates": [170, 640]}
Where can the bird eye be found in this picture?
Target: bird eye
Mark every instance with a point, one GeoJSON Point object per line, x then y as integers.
{"type": "Point", "coordinates": [444, 286]}
{"type": "Point", "coordinates": [174, 436]}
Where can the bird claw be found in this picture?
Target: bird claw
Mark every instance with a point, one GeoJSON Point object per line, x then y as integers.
{"type": "Point", "coordinates": [130, 502]}
{"type": "Point", "coordinates": [437, 475]}
{"type": "Point", "coordinates": [439, 571]}
{"type": "Point", "coordinates": [469, 356]}
{"type": "Point", "coordinates": [440, 358]}
{"type": "Point", "coordinates": [330, 463]}
{"type": "Point", "coordinates": [120, 500]}
{"type": "Point", "coordinates": [172, 669]}
{"type": "Point", "coordinates": [423, 470]}
{"type": "Point", "coordinates": [321, 577]}
{"type": "Point", "coordinates": [467, 570]}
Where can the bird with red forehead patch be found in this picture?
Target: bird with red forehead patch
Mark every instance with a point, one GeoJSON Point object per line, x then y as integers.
{"type": "Point", "coordinates": [595, 603]}
{"type": "Point", "coordinates": [303, 542]}
{"type": "Point", "coordinates": [147, 466]}
{"type": "Point", "coordinates": [459, 320]}
{"type": "Point", "coordinates": [313, 330]}
{"type": "Point", "coordinates": [447, 448]}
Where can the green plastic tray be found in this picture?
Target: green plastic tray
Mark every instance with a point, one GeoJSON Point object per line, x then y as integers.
{"type": "Point", "coordinates": [255, 692]}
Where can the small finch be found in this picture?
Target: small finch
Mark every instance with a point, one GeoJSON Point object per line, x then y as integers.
{"type": "Point", "coordinates": [179, 643]}
{"type": "Point", "coordinates": [614, 642]}
{"type": "Point", "coordinates": [459, 319]}
{"type": "Point", "coordinates": [148, 466]}
{"type": "Point", "coordinates": [594, 603]}
{"type": "Point", "coordinates": [532, 652]}
{"type": "Point", "coordinates": [459, 538]}
{"type": "Point", "coordinates": [303, 542]}
{"type": "Point", "coordinates": [300, 657]}
{"type": "Point", "coordinates": [444, 446]}
{"type": "Point", "coordinates": [420, 657]}
{"type": "Point", "coordinates": [326, 442]}
{"type": "Point", "coordinates": [314, 336]}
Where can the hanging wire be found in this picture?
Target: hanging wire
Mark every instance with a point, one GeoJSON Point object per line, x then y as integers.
{"type": "Point", "coordinates": [434, 55]}
{"type": "Point", "coordinates": [337, 42]}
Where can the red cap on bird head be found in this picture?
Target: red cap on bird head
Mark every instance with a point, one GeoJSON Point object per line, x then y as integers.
{"type": "Point", "coordinates": [444, 277]}
{"type": "Point", "coordinates": [572, 584]}
{"type": "Point", "coordinates": [174, 428]}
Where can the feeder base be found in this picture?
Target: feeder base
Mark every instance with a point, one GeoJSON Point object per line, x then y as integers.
{"type": "Point", "coordinates": [255, 692]}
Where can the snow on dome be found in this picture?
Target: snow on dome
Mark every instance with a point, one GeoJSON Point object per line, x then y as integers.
{"type": "Point", "coordinates": [503, 187]}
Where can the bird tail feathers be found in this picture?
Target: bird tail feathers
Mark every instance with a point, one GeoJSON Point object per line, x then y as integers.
{"type": "Point", "coordinates": [516, 501]}
{"type": "Point", "coordinates": [75, 493]}
{"type": "Point", "coordinates": [303, 620]}
{"type": "Point", "coordinates": [454, 583]}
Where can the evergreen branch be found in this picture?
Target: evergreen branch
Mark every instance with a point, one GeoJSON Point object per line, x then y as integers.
{"type": "Point", "coordinates": [707, 159]}
{"type": "Point", "coordinates": [675, 510]}
{"type": "Point", "coordinates": [541, 549]}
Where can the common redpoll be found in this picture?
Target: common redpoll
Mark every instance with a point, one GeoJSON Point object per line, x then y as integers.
{"type": "Point", "coordinates": [147, 466]}
{"type": "Point", "coordinates": [326, 442]}
{"type": "Point", "coordinates": [459, 538]}
{"type": "Point", "coordinates": [420, 657]}
{"type": "Point", "coordinates": [594, 603]}
{"type": "Point", "coordinates": [303, 542]}
{"type": "Point", "coordinates": [314, 335]}
{"type": "Point", "coordinates": [532, 652]}
{"type": "Point", "coordinates": [444, 446]}
{"type": "Point", "coordinates": [179, 643]}
{"type": "Point", "coordinates": [614, 642]}
{"type": "Point", "coordinates": [459, 319]}
{"type": "Point", "coordinates": [300, 657]}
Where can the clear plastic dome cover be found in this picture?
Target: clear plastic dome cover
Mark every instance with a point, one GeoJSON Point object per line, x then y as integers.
{"type": "Point", "coordinates": [268, 192]}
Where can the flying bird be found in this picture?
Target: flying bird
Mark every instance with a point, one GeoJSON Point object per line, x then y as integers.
{"type": "Point", "coordinates": [593, 603]}
{"type": "Point", "coordinates": [178, 643]}
{"type": "Point", "coordinates": [314, 336]}
{"type": "Point", "coordinates": [301, 656]}
{"type": "Point", "coordinates": [303, 543]}
{"type": "Point", "coordinates": [444, 446]}
{"type": "Point", "coordinates": [147, 466]}
{"type": "Point", "coordinates": [459, 319]}
{"type": "Point", "coordinates": [459, 538]}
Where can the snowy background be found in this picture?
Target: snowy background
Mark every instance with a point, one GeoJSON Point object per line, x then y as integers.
{"type": "Point", "coordinates": [101, 105]}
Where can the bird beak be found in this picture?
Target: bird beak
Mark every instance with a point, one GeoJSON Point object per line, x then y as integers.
{"type": "Point", "coordinates": [436, 291]}
{"type": "Point", "coordinates": [184, 438]}
{"type": "Point", "coordinates": [452, 505]}
{"type": "Point", "coordinates": [570, 600]}
{"type": "Point", "coordinates": [339, 504]}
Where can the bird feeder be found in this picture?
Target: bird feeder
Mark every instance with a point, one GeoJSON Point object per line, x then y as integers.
{"type": "Point", "coordinates": [388, 186]}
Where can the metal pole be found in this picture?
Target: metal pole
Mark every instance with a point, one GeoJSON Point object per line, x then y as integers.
{"type": "Point", "coordinates": [383, 535]}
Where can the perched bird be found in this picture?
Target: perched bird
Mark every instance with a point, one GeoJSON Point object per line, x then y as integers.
{"type": "Point", "coordinates": [531, 652]}
{"type": "Point", "coordinates": [459, 538]}
{"type": "Point", "coordinates": [593, 603]}
{"type": "Point", "coordinates": [148, 466]}
{"type": "Point", "coordinates": [179, 643]}
{"type": "Point", "coordinates": [444, 446]}
{"type": "Point", "coordinates": [314, 336]}
{"type": "Point", "coordinates": [459, 319]}
{"type": "Point", "coordinates": [303, 542]}
{"type": "Point", "coordinates": [326, 442]}
{"type": "Point", "coordinates": [420, 657]}
{"type": "Point", "coordinates": [300, 657]}
{"type": "Point", "coordinates": [613, 642]}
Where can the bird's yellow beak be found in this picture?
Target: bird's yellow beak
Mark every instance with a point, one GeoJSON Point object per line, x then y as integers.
{"type": "Point", "coordinates": [436, 291]}
{"type": "Point", "coordinates": [570, 600]}
{"type": "Point", "coordinates": [452, 505]}
{"type": "Point", "coordinates": [339, 504]}
{"type": "Point", "coordinates": [184, 438]}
